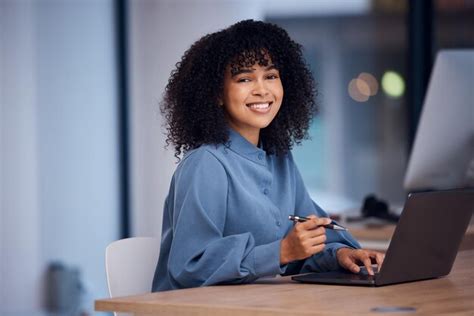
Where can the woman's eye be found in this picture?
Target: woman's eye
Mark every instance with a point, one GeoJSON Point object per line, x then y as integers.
{"type": "Point", "coordinates": [243, 80]}
{"type": "Point", "coordinates": [272, 76]}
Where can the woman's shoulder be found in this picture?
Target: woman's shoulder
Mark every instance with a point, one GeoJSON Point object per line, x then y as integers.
{"type": "Point", "coordinates": [206, 152]}
{"type": "Point", "coordinates": [199, 170]}
{"type": "Point", "coordinates": [204, 158]}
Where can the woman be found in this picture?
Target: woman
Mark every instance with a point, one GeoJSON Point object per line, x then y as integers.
{"type": "Point", "coordinates": [235, 105]}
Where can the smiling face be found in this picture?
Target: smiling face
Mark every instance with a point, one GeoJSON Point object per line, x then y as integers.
{"type": "Point", "coordinates": [252, 97]}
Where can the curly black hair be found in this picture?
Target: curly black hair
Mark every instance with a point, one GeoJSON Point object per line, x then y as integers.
{"type": "Point", "coordinates": [191, 99]}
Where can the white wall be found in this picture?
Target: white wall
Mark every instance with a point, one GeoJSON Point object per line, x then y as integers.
{"type": "Point", "coordinates": [59, 144]}
{"type": "Point", "coordinates": [20, 232]}
{"type": "Point", "coordinates": [161, 31]}
{"type": "Point", "coordinates": [78, 134]}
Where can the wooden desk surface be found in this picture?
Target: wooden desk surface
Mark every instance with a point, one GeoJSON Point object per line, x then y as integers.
{"type": "Point", "coordinates": [453, 294]}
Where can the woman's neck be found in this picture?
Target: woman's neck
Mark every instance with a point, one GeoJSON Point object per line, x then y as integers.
{"type": "Point", "coordinates": [251, 135]}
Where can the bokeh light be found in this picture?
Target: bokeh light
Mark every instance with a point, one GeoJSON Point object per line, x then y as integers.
{"type": "Point", "coordinates": [356, 93]}
{"type": "Point", "coordinates": [393, 84]}
{"type": "Point", "coordinates": [363, 87]}
{"type": "Point", "coordinates": [371, 82]}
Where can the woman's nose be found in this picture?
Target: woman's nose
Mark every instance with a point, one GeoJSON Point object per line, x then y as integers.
{"type": "Point", "coordinates": [260, 88]}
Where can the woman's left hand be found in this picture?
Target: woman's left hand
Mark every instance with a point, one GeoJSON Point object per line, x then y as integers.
{"type": "Point", "coordinates": [350, 259]}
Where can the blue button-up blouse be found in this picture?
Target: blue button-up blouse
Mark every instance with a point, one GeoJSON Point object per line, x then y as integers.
{"type": "Point", "coordinates": [226, 214]}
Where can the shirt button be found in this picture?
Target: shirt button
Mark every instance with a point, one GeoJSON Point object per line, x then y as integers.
{"type": "Point", "coordinates": [260, 156]}
{"type": "Point", "coordinates": [265, 191]}
{"type": "Point", "coordinates": [278, 223]}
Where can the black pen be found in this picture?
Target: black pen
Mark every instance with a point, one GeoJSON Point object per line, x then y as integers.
{"type": "Point", "coordinates": [333, 226]}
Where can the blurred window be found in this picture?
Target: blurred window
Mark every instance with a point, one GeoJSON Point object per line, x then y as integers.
{"type": "Point", "coordinates": [453, 24]}
{"type": "Point", "coordinates": [359, 138]}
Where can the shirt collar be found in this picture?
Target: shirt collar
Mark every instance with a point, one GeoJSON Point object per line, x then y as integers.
{"type": "Point", "coordinates": [243, 147]}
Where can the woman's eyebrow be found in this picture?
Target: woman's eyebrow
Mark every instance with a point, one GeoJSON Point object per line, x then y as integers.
{"type": "Point", "coordinates": [242, 71]}
{"type": "Point", "coordinates": [250, 70]}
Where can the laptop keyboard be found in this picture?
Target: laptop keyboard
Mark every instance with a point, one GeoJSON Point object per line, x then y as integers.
{"type": "Point", "coordinates": [363, 271]}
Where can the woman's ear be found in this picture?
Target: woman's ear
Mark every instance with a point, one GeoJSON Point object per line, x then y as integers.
{"type": "Point", "coordinates": [220, 101]}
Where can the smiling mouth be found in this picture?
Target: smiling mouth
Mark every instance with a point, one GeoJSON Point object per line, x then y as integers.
{"type": "Point", "coordinates": [260, 107]}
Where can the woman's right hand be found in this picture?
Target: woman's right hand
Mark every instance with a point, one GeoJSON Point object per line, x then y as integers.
{"type": "Point", "coordinates": [304, 240]}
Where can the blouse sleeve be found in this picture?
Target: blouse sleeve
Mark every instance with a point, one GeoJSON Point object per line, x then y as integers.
{"type": "Point", "coordinates": [200, 254]}
{"type": "Point", "coordinates": [325, 260]}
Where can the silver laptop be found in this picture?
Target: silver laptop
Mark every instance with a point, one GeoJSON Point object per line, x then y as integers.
{"type": "Point", "coordinates": [424, 244]}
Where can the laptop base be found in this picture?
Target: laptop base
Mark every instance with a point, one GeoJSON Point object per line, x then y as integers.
{"type": "Point", "coordinates": [337, 278]}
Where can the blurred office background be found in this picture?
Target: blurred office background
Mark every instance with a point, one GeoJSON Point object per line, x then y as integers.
{"type": "Point", "coordinates": [82, 151]}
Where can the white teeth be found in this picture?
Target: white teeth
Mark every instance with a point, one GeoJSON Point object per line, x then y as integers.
{"type": "Point", "coordinates": [260, 105]}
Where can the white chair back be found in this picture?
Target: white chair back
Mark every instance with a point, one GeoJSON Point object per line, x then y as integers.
{"type": "Point", "coordinates": [130, 266]}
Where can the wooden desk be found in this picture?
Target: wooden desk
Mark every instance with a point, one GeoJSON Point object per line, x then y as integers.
{"type": "Point", "coordinates": [453, 294]}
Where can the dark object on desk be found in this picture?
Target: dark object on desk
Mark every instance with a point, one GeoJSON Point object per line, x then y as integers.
{"type": "Point", "coordinates": [374, 207]}
{"type": "Point", "coordinates": [424, 245]}
{"type": "Point", "coordinates": [63, 289]}
{"type": "Point", "coordinates": [393, 309]}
